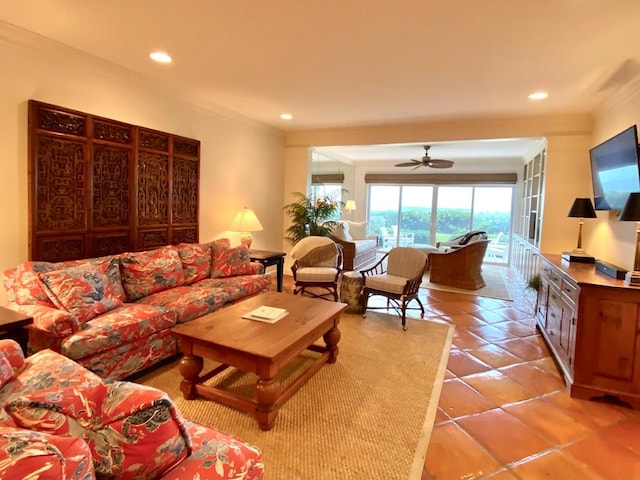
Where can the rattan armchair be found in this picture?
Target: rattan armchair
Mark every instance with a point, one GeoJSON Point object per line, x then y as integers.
{"type": "Point", "coordinates": [317, 266]}
{"type": "Point", "coordinates": [459, 267]}
{"type": "Point", "coordinates": [397, 276]}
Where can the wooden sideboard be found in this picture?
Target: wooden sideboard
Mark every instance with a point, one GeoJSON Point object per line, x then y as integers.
{"type": "Point", "coordinates": [591, 323]}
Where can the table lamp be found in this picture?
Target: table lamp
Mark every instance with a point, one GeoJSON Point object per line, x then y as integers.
{"type": "Point", "coordinates": [582, 208]}
{"type": "Point", "coordinates": [631, 213]}
{"type": "Point", "coordinates": [246, 222]}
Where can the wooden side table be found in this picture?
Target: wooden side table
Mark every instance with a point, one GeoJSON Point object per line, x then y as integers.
{"type": "Point", "coordinates": [12, 325]}
{"type": "Point", "coordinates": [268, 258]}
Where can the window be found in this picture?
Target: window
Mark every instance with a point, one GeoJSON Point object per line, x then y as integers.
{"type": "Point", "coordinates": [420, 215]}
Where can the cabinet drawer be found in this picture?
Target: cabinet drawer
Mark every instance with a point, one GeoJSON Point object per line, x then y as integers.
{"type": "Point", "coordinates": [570, 291]}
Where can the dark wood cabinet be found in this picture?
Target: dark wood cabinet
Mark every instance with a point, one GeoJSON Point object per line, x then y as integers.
{"type": "Point", "coordinates": [100, 187]}
{"type": "Point", "coordinates": [591, 323]}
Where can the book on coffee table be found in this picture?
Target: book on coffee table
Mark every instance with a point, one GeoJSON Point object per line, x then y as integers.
{"type": "Point", "coordinates": [266, 314]}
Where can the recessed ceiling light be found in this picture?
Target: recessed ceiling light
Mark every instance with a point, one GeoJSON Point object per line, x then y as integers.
{"type": "Point", "coordinates": [538, 95]}
{"type": "Point", "coordinates": [160, 57]}
{"type": "Point", "coordinates": [286, 116]}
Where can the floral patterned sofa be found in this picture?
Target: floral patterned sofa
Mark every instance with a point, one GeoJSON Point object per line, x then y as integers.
{"type": "Point", "coordinates": [113, 315]}
{"type": "Point", "coordinates": [59, 421]}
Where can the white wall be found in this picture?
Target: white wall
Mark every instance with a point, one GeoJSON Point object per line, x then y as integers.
{"type": "Point", "coordinates": [241, 160]}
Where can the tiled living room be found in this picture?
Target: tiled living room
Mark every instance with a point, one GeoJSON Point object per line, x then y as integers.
{"type": "Point", "coordinates": [259, 98]}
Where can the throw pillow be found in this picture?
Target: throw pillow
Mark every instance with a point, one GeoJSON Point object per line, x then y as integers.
{"type": "Point", "coordinates": [144, 273]}
{"type": "Point", "coordinates": [196, 261]}
{"type": "Point", "coordinates": [357, 230]}
{"type": "Point", "coordinates": [341, 232]}
{"type": "Point", "coordinates": [231, 262]}
{"type": "Point", "coordinates": [85, 291]}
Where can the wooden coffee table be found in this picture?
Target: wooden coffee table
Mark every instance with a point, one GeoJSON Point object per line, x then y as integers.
{"type": "Point", "coordinates": [258, 347]}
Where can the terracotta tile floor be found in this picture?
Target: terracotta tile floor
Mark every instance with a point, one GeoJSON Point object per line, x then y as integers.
{"type": "Point", "coordinates": [504, 413]}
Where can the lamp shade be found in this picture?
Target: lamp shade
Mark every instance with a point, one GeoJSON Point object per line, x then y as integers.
{"type": "Point", "coordinates": [350, 205]}
{"type": "Point", "coordinates": [245, 221]}
{"type": "Point", "coordinates": [582, 208]}
{"type": "Point", "coordinates": [631, 210]}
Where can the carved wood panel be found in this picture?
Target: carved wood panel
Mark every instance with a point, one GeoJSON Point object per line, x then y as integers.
{"type": "Point", "coordinates": [99, 186]}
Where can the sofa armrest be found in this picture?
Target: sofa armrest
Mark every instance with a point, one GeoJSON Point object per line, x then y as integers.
{"type": "Point", "coordinates": [54, 322]}
{"type": "Point", "coordinates": [257, 268]}
{"type": "Point", "coordinates": [348, 247]}
{"type": "Point", "coordinates": [30, 454]}
{"type": "Point", "coordinates": [133, 431]}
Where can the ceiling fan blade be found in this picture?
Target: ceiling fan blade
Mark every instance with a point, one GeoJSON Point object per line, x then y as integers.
{"type": "Point", "coordinates": [412, 163]}
{"type": "Point", "coordinates": [438, 163]}
{"type": "Point", "coordinates": [418, 166]}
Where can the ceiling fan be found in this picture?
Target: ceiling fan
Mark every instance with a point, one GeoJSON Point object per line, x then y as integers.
{"type": "Point", "coordinates": [427, 161]}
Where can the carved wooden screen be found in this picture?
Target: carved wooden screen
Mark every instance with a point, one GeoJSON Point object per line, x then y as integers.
{"type": "Point", "coordinates": [100, 187]}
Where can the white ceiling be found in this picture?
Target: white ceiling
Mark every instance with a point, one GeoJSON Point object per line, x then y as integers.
{"type": "Point", "coordinates": [337, 63]}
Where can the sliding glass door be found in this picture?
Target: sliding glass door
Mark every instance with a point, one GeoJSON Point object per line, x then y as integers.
{"type": "Point", "coordinates": [421, 215]}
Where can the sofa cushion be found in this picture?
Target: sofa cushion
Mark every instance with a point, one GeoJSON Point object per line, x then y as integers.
{"type": "Point", "coordinates": [236, 287]}
{"type": "Point", "coordinates": [196, 261]}
{"type": "Point", "coordinates": [187, 302]}
{"type": "Point", "coordinates": [25, 452]}
{"type": "Point", "coordinates": [85, 290]}
{"type": "Point", "coordinates": [230, 262]}
{"type": "Point", "coordinates": [144, 273]}
{"type": "Point", "coordinates": [133, 432]}
{"type": "Point", "coordinates": [119, 326]}
{"type": "Point", "coordinates": [357, 230]}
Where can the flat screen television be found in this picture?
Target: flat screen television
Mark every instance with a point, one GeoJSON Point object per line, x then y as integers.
{"type": "Point", "coordinates": [615, 171]}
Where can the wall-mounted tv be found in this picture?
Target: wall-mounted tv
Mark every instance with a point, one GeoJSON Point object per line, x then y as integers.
{"type": "Point", "coordinates": [615, 171]}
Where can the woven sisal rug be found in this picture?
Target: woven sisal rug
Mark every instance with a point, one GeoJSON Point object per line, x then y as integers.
{"type": "Point", "coordinates": [367, 417]}
{"type": "Point", "coordinates": [493, 277]}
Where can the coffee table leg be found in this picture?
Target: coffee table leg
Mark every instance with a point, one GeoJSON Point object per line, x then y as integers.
{"type": "Point", "coordinates": [267, 392]}
{"type": "Point", "coordinates": [331, 338]}
{"type": "Point", "coordinates": [190, 367]}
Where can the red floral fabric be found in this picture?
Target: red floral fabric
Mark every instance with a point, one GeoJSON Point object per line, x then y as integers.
{"type": "Point", "coordinates": [187, 302]}
{"type": "Point", "coordinates": [26, 452]}
{"type": "Point", "coordinates": [57, 323]}
{"type": "Point", "coordinates": [196, 261]}
{"type": "Point", "coordinates": [144, 273]}
{"type": "Point", "coordinates": [11, 350]}
{"type": "Point", "coordinates": [85, 290]}
{"type": "Point", "coordinates": [130, 358]}
{"type": "Point", "coordinates": [117, 429]}
{"type": "Point", "coordinates": [217, 455]}
{"type": "Point", "coordinates": [237, 287]}
{"type": "Point", "coordinates": [133, 432]}
{"type": "Point", "coordinates": [125, 324]}
{"type": "Point", "coordinates": [230, 262]}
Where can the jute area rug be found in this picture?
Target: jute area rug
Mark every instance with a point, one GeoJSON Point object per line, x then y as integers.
{"type": "Point", "coordinates": [369, 416]}
{"type": "Point", "coordinates": [493, 277]}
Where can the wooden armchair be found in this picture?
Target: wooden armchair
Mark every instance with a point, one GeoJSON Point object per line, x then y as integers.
{"type": "Point", "coordinates": [460, 267]}
{"type": "Point", "coordinates": [396, 276]}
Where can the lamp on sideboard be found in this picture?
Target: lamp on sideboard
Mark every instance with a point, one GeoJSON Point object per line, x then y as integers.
{"type": "Point", "coordinates": [246, 222]}
{"type": "Point", "coordinates": [631, 213]}
{"type": "Point", "coordinates": [582, 208]}
{"type": "Point", "coordinates": [350, 206]}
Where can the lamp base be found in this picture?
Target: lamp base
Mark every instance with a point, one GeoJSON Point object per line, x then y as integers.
{"type": "Point", "coordinates": [578, 257]}
{"type": "Point", "coordinates": [632, 278]}
{"type": "Point", "coordinates": [245, 239]}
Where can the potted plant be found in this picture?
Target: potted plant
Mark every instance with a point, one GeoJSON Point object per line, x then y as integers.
{"type": "Point", "coordinates": [311, 216]}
